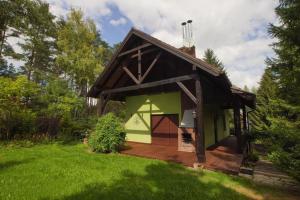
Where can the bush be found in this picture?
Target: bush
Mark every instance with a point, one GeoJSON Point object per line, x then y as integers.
{"type": "Point", "coordinates": [108, 136]}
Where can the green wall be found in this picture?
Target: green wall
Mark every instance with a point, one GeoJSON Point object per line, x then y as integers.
{"type": "Point", "coordinates": [210, 111]}
{"type": "Point", "coordinates": [140, 108]}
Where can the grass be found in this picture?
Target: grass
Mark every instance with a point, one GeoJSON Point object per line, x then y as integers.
{"type": "Point", "coordinates": [56, 171]}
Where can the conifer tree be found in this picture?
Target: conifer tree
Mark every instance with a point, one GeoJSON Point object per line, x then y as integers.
{"type": "Point", "coordinates": [211, 58]}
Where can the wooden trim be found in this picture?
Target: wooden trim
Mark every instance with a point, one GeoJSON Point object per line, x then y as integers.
{"type": "Point", "coordinates": [150, 67]}
{"type": "Point", "coordinates": [150, 84]}
{"type": "Point", "coordinates": [131, 75]}
{"type": "Point", "coordinates": [139, 65]}
{"type": "Point", "coordinates": [144, 52]}
{"type": "Point", "coordinates": [187, 92]}
{"type": "Point", "coordinates": [134, 49]}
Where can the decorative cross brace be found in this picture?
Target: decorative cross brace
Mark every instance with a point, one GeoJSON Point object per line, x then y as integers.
{"type": "Point", "coordinates": [141, 77]}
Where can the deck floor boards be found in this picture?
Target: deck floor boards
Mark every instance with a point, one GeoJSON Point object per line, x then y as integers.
{"type": "Point", "coordinates": [220, 158]}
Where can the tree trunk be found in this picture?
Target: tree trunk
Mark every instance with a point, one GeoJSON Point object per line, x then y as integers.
{"type": "Point", "coordinates": [2, 41]}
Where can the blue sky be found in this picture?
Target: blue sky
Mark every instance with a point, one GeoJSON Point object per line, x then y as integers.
{"type": "Point", "coordinates": [235, 29]}
{"type": "Point", "coordinates": [112, 33]}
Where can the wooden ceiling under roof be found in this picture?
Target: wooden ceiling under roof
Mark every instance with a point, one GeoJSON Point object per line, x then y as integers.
{"type": "Point", "coordinates": [144, 64]}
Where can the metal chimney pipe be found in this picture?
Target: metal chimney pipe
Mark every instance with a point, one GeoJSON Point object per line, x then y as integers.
{"type": "Point", "coordinates": [184, 32]}
{"type": "Point", "coordinates": [190, 38]}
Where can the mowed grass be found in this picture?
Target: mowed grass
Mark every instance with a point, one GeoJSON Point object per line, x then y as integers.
{"type": "Point", "coordinates": [56, 171]}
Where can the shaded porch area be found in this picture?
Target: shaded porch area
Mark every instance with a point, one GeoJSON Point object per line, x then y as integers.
{"type": "Point", "coordinates": [221, 157]}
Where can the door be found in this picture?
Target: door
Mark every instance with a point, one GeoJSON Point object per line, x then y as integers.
{"type": "Point", "coordinates": [164, 130]}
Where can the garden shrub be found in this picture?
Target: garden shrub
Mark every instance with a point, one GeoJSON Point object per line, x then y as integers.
{"type": "Point", "coordinates": [109, 134]}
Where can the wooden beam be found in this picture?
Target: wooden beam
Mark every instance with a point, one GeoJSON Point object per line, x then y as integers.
{"type": "Point", "coordinates": [100, 105]}
{"type": "Point", "coordinates": [134, 49]}
{"type": "Point", "coordinates": [145, 52]}
{"type": "Point", "coordinates": [131, 75]}
{"type": "Point", "coordinates": [150, 84]}
{"type": "Point", "coordinates": [150, 67]}
{"type": "Point", "coordinates": [187, 92]}
{"type": "Point", "coordinates": [139, 65]}
{"type": "Point", "coordinates": [237, 123]}
{"type": "Point", "coordinates": [199, 136]}
{"type": "Point", "coordinates": [105, 103]}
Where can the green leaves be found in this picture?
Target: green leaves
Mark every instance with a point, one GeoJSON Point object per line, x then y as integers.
{"type": "Point", "coordinates": [17, 98]}
{"type": "Point", "coordinates": [81, 52]}
{"type": "Point", "coordinates": [108, 136]}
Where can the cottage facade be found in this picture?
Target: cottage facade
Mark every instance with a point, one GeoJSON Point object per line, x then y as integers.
{"type": "Point", "coordinates": [172, 98]}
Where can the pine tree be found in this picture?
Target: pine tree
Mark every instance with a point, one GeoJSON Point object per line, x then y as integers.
{"type": "Point", "coordinates": [280, 98]}
{"type": "Point", "coordinates": [39, 46]}
{"type": "Point", "coordinates": [12, 15]}
{"type": "Point", "coordinates": [266, 92]}
{"type": "Point", "coordinates": [286, 64]}
{"type": "Point", "coordinates": [211, 58]}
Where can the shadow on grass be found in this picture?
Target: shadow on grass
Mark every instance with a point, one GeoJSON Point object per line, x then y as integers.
{"type": "Point", "coordinates": [13, 163]}
{"type": "Point", "coordinates": [161, 181]}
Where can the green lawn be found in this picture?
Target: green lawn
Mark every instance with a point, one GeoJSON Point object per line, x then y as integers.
{"type": "Point", "coordinates": [55, 171]}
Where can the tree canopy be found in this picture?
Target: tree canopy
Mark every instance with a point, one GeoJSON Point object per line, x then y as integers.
{"type": "Point", "coordinates": [277, 117]}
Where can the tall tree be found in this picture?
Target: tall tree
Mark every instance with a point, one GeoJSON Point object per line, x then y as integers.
{"type": "Point", "coordinates": [81, 52]}
{"type": "Point", "coordinates": [211, 58]}
{"type": "Point", "coordinates": [39, 33]}
{"type": "Point", "coordinates": [286, 66]}
{"type": "Point", "coordinates": [282, 110]}
{"type": "Point", "coordinates": [12, 15]}
{"type": "Point", "coordinates": [267, 91]}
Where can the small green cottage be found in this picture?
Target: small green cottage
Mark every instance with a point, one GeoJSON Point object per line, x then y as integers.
{"type": "Point", "coordinates": [172, 98]}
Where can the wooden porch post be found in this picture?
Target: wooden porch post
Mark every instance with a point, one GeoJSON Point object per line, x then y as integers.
{"type": "Point", "coordinates": [244, 119]}
{"type": "Point", "coordinates": [199, 136]}
{"type": "Point", "coordinates": [237, 124]}
{"type": "Point", "coordinates": [100, 105]}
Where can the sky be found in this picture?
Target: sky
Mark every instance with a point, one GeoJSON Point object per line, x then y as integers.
{"type": "Point", "coordinates": [235, 29]}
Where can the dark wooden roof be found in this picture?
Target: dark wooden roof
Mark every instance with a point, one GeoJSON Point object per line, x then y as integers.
{"type": "Point", "coordinates": [217, 74]}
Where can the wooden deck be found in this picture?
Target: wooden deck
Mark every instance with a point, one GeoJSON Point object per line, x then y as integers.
{"type": "Point", "coordinates": [220, 158]}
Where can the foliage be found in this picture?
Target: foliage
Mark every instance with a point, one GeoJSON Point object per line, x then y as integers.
{"type": "Point", "coordinates": [211, 58]}
{"type": "Point", "coordinates": [260, 118]}
{"type": "Point", "coordinates": [12, 14]}
{"type": "Point", "coordinates": [38, 48]}
{"type": "Point", "coordinates": [108, 136]}
{"type": "Point", "coordinates": [61, 59]}
{"type": "Point", "coordinates": [60, 106]}
{"type": "Point", "coordinates": [17, 99]}
{"type": "Point", "coordinates": [286, 66]}
{"type": "Point", "coordinates": [277, 119]}
{"type": "Point", "coordinates": [80, 50]}
{"type": "Point", "coordinates": [253, 157]}
{"type": "Point", "coordinates": [117, 108]}
{"type": "Point", "coordinates": [7, 70]}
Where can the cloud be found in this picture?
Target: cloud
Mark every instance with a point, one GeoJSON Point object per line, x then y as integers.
{"type": "Point", "coordinates": [234, 29]}
{"type": "Point", "coordinates": [117, 22]}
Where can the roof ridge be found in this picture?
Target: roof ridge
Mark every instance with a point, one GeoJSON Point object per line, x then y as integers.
{"type": "Point", "coordinates": [217, 70]}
